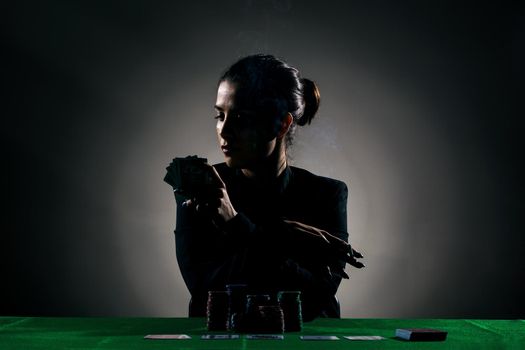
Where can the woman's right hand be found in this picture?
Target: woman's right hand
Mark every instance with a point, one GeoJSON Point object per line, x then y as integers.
{"type": "Point", "coordinates": [214, 200]}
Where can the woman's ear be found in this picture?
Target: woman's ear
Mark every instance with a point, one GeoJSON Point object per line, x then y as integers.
{"type": "Point", "coordinates": [285, 125]}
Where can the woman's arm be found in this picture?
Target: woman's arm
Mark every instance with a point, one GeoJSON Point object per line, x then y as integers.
{"type": "Point", "coordinates": [312, 259]}
{"type": "Point", "coordinates": [277, 253]}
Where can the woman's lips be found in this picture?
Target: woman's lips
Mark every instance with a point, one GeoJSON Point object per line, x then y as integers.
{"type": "Point", "coordinates": [228, 149]}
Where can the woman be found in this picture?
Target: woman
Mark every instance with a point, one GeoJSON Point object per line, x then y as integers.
{"type": "Point", "coordinates": [265, 223]}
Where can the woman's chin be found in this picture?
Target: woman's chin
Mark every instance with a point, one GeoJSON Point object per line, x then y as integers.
{"type": "Point", "coordinates": [232, 162]}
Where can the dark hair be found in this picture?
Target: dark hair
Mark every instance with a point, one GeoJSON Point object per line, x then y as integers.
{"type": "Point", "coordinates": [274, 88]}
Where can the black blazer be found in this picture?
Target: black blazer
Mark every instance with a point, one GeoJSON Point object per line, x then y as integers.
{"type": "Point", "coordinates": [252, 248]}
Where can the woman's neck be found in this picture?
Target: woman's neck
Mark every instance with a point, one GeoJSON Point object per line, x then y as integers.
{"type": "Point", "coordinates": [270, 169]}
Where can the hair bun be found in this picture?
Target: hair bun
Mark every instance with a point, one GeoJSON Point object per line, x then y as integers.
{"type": "Point", "coordinates": [312, 99]}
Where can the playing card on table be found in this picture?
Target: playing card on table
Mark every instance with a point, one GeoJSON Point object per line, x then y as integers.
{"type": "Point", "coordinates": [364, 337]}
{"type": "Point", "coordinates": [265, 336]}
{"type": "Point", "coordinates": [167, 336]}
{"type": "Point", "coordinates": [319, 337]}
{"type": "Point", "coordinates": [219, 336]}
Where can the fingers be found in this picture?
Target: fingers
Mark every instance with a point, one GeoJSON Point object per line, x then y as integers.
{"type": "Point", "coordinates": [352, 261]}
{"type": "Point", "coordinates": [357, 264]}
{"type": "Point", "coordinates": [210, 193]}
{"type": "Point", "coordinates": [337, 243]}
{"type": "Point", "coordinates": [312, 234]}
{"type": "Point", "coordinates": [306, 229]}
{"type": "Point", "coordinates": [203, 206]}
{"type": "Point", "coordinates": [210, 203]}
{"type": "Point", "coordinates": [334, 247]}
{"type": "Point", "coordinates": [216, 178]}
{"type": "Point", "coordinates": [188, 203]}
{"type": "Point", "coordinates": [341, 273]}
{"type": "Point", "coordinates": [356, 254]}
{"type": "Point", "coordinates": [335, 271]}
{"type": "Point", "coordinates": [353, 254]}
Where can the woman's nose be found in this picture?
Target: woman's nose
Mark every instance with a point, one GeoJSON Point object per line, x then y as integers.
{"type": "Point", "coordinates": [226, 129]}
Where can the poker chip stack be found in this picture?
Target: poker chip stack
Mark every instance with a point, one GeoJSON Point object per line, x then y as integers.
{"type": "Point", "coordinates": [252, 315]}
{"type": "Point", "coordinates": [217, 311]}
{"type": "Point", "coordinates": [233, 310]}
{"type": "Point", "coordinates": [290, 303]}
{"type": "Point", "coordinates": [270, 319]}
{"type": "Point", "coordinates": [236, 305]}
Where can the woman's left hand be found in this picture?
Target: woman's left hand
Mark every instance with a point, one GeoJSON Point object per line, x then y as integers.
{"type": "Point", "coordinates": [326, 245]}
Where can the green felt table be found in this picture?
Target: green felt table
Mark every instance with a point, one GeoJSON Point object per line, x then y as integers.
{"type": "Point", "coordinates": [128, 333]}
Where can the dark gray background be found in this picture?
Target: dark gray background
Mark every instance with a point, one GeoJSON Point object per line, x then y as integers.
{"type": "Point", "coordinates": [421, 116]}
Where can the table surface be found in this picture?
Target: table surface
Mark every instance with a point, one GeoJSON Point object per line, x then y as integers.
{"type": "Point", "coordinates": [128, 333]}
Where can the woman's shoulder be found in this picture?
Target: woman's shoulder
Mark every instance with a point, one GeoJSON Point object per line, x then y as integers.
{"type": "Point", "coordinates": [303, 177]}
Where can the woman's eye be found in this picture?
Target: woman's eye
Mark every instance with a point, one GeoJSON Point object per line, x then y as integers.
{"type": "Point", "coordinates": [246, 118]}
{"type": "Point", "coordinates": [220, 117]}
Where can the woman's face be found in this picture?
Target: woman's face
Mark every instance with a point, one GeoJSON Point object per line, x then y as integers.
{"type": "Point", "coordinates": [245, 137]}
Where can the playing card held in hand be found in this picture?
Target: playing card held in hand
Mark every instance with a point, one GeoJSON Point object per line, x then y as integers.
{"type": "Point", "coordinates": [188, 176]}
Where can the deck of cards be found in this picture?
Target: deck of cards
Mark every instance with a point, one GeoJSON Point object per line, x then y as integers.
{"type": "Point", "coordinates": [188, 176]}
{"type": "Point", "coordinates": [421, 334]}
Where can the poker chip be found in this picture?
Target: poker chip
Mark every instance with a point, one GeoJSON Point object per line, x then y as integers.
{"type": "Point", "coordinates": [236, 305]}
{"type": "Point", "coordinates": [252, 315]}
{"type": "Point", "coordinates": [270, 319]}
{"type": "Point", "coordinates": [217, 311]}
{"type": "Point", "coordinates": [290, 303]}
